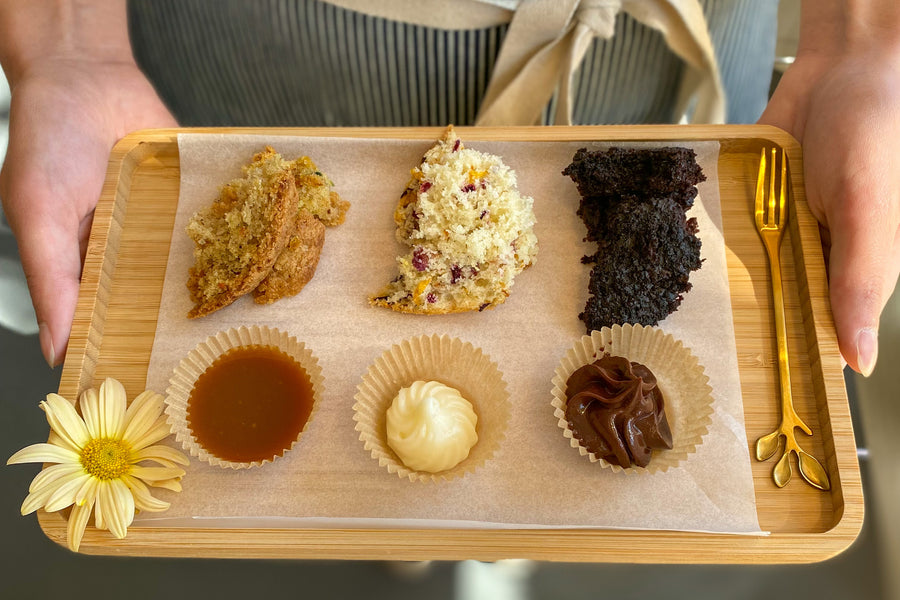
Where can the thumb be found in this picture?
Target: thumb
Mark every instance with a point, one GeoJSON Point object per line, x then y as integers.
{"type": "Point", "coordinates": [50, 214]}
{"type": "Point", "coordinates": [863, 269]}
{"type": "Point", "coordinates": [50, 250]}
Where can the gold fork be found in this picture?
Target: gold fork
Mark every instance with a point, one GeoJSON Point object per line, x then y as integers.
{"type": "Point", "coordinates": [771, 222]}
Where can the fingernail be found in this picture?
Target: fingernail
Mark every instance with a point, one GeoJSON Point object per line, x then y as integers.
{"type": "Point", "coordinates": [46, 341]}
{"type": "Point", "coordinates": [866, 350]}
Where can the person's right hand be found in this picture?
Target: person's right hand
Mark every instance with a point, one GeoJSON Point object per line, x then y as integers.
{"type": "Point", "coordinates": [65, 116]}
{"type": "Point", "coordinates": [841, 99]}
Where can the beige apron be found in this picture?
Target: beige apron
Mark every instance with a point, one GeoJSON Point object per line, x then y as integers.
{"type": "Point", "coordinates": [547, 40]}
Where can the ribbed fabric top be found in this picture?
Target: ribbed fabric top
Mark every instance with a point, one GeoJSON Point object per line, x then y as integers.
{"type": "Point", "coordinates": [310, 63]}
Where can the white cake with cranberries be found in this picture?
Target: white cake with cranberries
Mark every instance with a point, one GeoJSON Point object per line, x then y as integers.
{"type": "Point", "coordinates": [468, 230]}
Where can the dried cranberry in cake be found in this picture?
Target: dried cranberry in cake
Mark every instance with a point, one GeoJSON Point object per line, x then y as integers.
{"type": "Point", "coordinates": [462, 256]}
{"type": "Point", "coordinates": [455, 273]}
{"type": "Point", "coordinates": [419, 259]}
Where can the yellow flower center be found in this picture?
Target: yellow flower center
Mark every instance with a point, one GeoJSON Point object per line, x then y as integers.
{"type": "Point", "coordinates": [106, 458]}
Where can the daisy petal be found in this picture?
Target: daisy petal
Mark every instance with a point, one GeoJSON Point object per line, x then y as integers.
{"type": "Point", "coordinates": [143, 500]}
{"type": "Point", "coordinates": [159, 431]}
{"type": "Point", "coordinates": [150, 504]}
{"type": "Point", "coordinates": [169, 484]}
{"type": "Point", "coordinates": [87, 493]}
{"type": "Point", "coordinates": [49, 487]}
{"type": "Point", "coordinates": [65, 492]}
{"type": "Point", "coordinates": [163, 454]}
{"type": "Point", "coordinates": [107, 506]}
{"type": "Point", "coordinates": [42, 453]}
{"type": "Point", "coordinates": [162, 462]}
{"type": "Point", "coordinates": [150, 474]}
{"type": "Point", "coordinates": [54, 439]}
{"type": "Point", "coordinates": [99, 520]}
{"type": "Point", "coordinates": [77, 522]}
{"type": "Point", "coordinates": [52, 473]}
{"type": "Point", "coordinates": [142, 414]}
{"type": "Point", "coordinates": [90, 410]}
{"type": "Point", "coordinates": [36, 499]}
{"type": "Point", "coordinates": [114, 509]}
{"type": "Point", "coordinates": [124, 500]}
{"type": "Point", "coordinates": [64, 420]}
{"type": "Point", "coordinates": [112, 408]}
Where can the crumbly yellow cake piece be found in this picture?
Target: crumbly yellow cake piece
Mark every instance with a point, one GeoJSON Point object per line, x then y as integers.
{"type": "Point", "coordinates": [239, 237]}
{"type": "Point", "coordinates": [316, 194]}
{"type": "Point", "coordinates": [320, 206]}
{"type": "Point", "coordinates": [296, 264]}
{"type": "Point", "coordinates": [313, 186]}
{"type": "Point", "coordinates": [264, 233]}
{"type": "Point", "coordinates": [468, 229]}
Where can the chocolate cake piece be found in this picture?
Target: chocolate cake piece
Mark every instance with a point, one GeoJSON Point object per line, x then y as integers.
{"type": "Point", "coordinates": [633, 205]}
{"type": "Point", "coordinates": [643, 264]}
{"type": "Point", "coordinates": [594, 210]}
{"type": "Point", "coordinates": [649, 172]}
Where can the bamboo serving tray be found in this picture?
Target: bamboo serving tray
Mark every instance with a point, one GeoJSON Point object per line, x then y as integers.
{"type": "Point", "coordinates": [115, 323]}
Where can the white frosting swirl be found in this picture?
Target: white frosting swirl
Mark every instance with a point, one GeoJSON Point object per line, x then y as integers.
{"type": "Point", "coordinates": [431, 426]}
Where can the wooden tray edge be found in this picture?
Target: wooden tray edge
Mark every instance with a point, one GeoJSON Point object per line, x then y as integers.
{"type": "Point", "coordinates": [99, 263]}
{"type": "Point", "coordinates": [843, 466]}
{"type": "Point", "coordinates": [825, 365]}
{"type": "Point", "coordinates": [827, 370]}
{"type": "Point", "coordinates": [608, 546]}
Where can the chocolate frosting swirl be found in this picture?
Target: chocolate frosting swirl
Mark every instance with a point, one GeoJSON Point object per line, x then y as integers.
{"type": "Point", "coordinates": [616, 411]}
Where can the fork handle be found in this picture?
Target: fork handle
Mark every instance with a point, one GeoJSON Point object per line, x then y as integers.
{"type": "Point", "coordinates": [789, 417]}
{"type": "Point", "coordinates": [780, 321]}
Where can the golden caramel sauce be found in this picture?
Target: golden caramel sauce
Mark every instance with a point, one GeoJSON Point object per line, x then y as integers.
{"type": "Point", "coordinates": [250, 404]}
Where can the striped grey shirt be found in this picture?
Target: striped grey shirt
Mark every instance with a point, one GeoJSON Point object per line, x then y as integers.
{"type": "Point", "coordinates": [310, 63]}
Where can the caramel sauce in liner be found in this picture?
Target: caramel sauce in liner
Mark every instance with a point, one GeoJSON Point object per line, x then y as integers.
{"type": "Point", "coordinates": [204, 355]}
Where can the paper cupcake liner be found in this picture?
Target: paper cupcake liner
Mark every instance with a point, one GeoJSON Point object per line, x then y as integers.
{"type": "Point", "coordinates": [681, 378]}
{"type": "Point", "coordinates": [205, 354]}
{"type": "Point", "coordinates": [450, 361]}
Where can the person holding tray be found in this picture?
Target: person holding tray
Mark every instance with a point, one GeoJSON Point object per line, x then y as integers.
{"type": "Point", "coordinates": [85, 73]}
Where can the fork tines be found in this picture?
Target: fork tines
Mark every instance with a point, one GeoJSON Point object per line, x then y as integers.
{"type": "Point", "coordinates": [771, 208]}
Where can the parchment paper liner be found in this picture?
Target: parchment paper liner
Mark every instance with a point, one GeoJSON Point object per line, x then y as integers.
{"type": "Point", "coordinates": [204, 354]}
{"type": "Point", "coordinates": [454, 363]}
{"type": "Point", "coordinates": [681, 378]}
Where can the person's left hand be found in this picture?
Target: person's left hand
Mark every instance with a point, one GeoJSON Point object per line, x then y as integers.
{"type": "Point", "coordinates": [845, 111]}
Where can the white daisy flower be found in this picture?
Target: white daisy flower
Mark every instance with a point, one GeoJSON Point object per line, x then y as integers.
{"type": "Point", "coordinates": [96, 456]}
